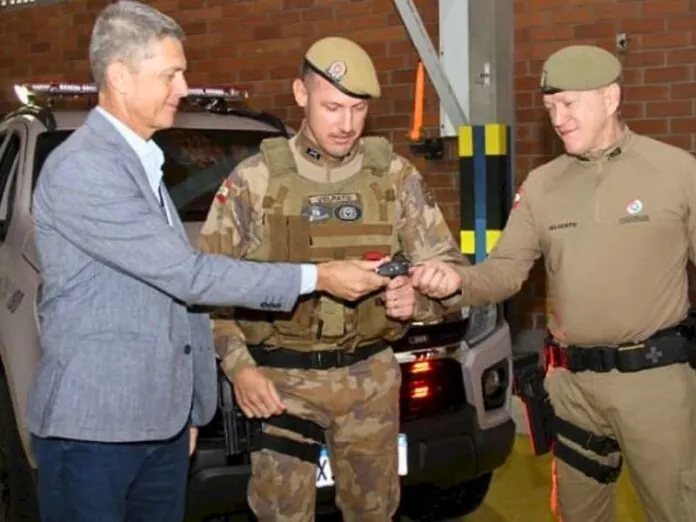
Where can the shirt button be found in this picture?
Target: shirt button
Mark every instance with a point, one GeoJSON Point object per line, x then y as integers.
{"type": "Point", "coordinates": [187, 349]}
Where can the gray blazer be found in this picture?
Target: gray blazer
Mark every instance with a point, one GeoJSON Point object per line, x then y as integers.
{"type": "Point", "coordinates": [124, 357]}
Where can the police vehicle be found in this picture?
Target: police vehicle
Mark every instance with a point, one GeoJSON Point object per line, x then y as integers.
{"type": "Point", "coordinates": [455, 399]}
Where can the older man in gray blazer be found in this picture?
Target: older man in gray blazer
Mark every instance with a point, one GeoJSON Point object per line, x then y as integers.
{"type": "Point", "coordinates": [127, 366]}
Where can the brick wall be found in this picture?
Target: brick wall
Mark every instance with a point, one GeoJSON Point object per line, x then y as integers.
{"type": "Point", "coordinates": [259, 43]}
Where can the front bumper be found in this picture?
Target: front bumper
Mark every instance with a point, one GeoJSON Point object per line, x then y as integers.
{"type": "Point", "coordinates": [450, 448]}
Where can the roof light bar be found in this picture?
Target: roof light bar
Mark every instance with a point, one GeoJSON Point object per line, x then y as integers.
{"type": "Point", "coordinates": [30, 90]}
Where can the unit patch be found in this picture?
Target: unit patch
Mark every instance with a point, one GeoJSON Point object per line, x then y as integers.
{"type": "Point", "coordinates": [344, 207]}
{"type": "Point", "coordinates": [348, 212]}
{"type": "Point", "coordinates": [315, 213]}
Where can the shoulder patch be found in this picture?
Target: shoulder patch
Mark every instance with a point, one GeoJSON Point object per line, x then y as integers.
{"type": "Point", "coordinates": [224, 191]}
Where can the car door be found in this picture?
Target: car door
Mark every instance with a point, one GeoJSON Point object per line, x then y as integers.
{"type": "Point", "coordinates": [19, 343]}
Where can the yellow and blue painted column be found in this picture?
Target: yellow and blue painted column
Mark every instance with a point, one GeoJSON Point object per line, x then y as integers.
{"type": "Point", "coordinates": [485, 175]}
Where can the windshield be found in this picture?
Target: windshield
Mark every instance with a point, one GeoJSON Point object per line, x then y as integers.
{"type": "Point", "coordinates": [196, 162]}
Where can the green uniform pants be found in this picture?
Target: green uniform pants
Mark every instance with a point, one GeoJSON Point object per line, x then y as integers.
{"type": "Point", "coordinates": [652, 415]}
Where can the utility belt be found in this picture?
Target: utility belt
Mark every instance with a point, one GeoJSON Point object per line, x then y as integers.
{"type": "Point", "coordinates": [548, 432]}
{"type": "Point", "coordinates": [318, 360]}
{"type": "Point", "coordinates": [672, 345]}
{"type": "Point", "coordinates": [244, 435]}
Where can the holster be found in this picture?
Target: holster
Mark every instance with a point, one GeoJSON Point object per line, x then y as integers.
{"type": "Point", "coordinates": [528, 385]}
{"type": "Point", "coordinates": [242, 435]}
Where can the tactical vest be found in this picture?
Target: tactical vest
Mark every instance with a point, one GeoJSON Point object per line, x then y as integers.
{"type": "Point", "coordinates": [308, 221]}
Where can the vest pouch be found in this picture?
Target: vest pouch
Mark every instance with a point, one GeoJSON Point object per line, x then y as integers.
{"type": "Point", "coordinates": [372, 322]}
{"type": "Point", "coordinates": [300, 321]}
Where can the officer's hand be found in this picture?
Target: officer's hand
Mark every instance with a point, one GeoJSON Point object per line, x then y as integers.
{"type": "Point", "coordinates": [350, 280]}
{"type": "Point", "coordinates": [435, 279]}
{"type": "Point", "coordinates": [256, 395]}
{"type": "Point", "coordinates": [400, 298]}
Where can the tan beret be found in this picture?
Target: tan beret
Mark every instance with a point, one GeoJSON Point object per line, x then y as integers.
{"type": "Point", "coordinates": [579, 68]}
{"type": "Point", "coordinates": [346, 65]}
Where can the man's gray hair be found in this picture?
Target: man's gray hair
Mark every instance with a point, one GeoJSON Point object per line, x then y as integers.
{"type": "Point", "coordinates": [124, 31]}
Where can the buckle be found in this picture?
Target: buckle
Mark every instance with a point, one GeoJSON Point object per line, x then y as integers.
{"type": "Point", "coordinates": [601, 445]}
{"type": "Point", "coordinates": [610, 473]}
{"type": "Point", "coordinates": [328, 359]}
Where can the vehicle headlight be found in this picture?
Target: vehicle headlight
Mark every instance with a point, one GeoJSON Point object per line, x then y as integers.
{"type": "Point", "coordinates": [483, 321]}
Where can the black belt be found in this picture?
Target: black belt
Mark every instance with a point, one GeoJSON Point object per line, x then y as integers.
{"type": "Point", "coordinates": [318, 360]}
{"type": "Point", "coordinates": [669, 346]}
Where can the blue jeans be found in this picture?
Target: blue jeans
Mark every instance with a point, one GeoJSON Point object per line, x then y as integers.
{"type": "Point", "coordinates": [80, 481]}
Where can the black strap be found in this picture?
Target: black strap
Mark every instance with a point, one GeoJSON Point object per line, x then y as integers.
{"type": "Point", "coordinates": [306, 451]}
{"type": "Point", "coordinates": [593, 469]}
{"type": "Point", "coordinates": [317, 360]}
{"type": "Point", "coordinates": [304, 427]}
{"type": "Point", "coordinates": [598, 444]}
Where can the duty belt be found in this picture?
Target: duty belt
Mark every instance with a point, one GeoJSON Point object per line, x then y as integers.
{"type": "Point", "coordinates": [669, 346]}
{"type": "Point", "coordinates": [318, 360]}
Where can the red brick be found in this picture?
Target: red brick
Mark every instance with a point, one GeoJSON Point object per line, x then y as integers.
{"type": "Point", "coordinates": [668, 108]}
{"type": "Point", "coordinates": [633, 110]}
{"type": "Point", "coordinates": [594, 30]}
{"type": "Point", "coordinates": [666, 74]}
{"type": "Point", "coordinates": [666, 40]}
{"type": "Point", "coordinates": [665, 7]}
{"type": "Point", "coordinates": [684, 90]}
{"type": "Point", "coordinates": [682, 125]}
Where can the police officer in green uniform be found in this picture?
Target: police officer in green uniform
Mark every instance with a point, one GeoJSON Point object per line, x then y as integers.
{"type": "Point", "coordinates": [615, 219]}
{"type": "Point", "coordinates": [326, 373]}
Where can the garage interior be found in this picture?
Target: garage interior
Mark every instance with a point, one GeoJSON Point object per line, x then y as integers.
{"type": "Point", "coordinates": [477, 62]}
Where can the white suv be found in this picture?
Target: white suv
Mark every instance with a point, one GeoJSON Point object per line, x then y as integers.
{"type": "Point", "coordinates": [455, 408]}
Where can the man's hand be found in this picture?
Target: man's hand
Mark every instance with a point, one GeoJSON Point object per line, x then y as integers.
{"type": "Point", "coordinates": [400, 299]}
{"type": "Point", "coordinates": [256, 395]}
{"type": "Point", "coordinates": [350, 280]}
{"type": "Point", "coordinates": [193, 438]}
{"type": "Point", "coordinates": [435, 279]}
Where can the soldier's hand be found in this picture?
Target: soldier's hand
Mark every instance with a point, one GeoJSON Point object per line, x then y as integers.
{"type": "Point", "coordinates": [435, 279]}
{"type": "Point", "coordinates": [256, 395]}
{"type": "Point", "coordinates": [350, 280]}
{"type": "Point", "coordinates": [400, 298]}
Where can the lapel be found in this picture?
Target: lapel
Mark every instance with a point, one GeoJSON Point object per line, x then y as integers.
{"type": "Point", "coordinates": [134, 167]}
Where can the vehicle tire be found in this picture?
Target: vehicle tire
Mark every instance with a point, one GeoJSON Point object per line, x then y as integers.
{"type": "Point", "coordinates": [430, 503]}
{"type": "Point", "coordinates": [18, 501]}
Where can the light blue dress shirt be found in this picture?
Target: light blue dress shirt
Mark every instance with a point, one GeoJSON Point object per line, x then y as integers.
{"type": "Point", "coordinates": [152, 159]}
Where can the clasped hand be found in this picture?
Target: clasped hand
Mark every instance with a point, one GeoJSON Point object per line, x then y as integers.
{"type": "Point", "coordinates": [435, 279]}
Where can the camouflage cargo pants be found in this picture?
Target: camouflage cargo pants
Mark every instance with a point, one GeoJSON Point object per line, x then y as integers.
{"type": "Point", "coordinates": [358, 407]}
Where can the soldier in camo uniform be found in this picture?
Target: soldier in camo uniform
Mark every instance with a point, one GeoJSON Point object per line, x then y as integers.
{"type": "Point", "coordinates": [325, 373]}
